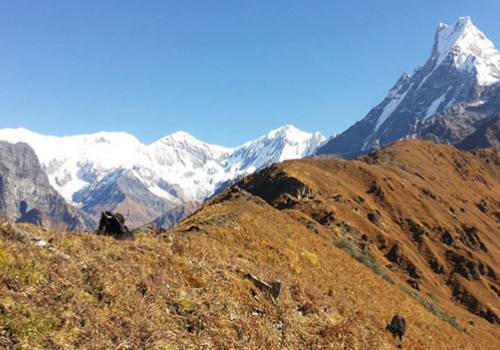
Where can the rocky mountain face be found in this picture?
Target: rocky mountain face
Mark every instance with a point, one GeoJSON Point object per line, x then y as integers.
{"type": "Point", "coordinates": [115, 171]}
{"type": "Point", "coordinates": [120, 191]}
{"type": "Point", "coordinates": [445, 100]}
{"type": "Point", "coordinates": [487, 135]}
{"type": "Point", "coordinates": [26, 195]}
{"type": "Point", "coordinates": [173, 216]}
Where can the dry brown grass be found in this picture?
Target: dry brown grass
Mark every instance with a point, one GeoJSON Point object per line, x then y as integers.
{"type": "Point", "coordinates": [187, 289]}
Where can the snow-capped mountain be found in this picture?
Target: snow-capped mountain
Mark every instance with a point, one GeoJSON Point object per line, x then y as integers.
{"type": "Point", "coordinates": [87, 169]}
{"type": "Point", "coordinates": [278, 145]}
{"type": "Point", "coordinates": [447, 99]}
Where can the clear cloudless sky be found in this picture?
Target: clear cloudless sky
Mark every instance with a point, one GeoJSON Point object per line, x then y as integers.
{"type": "Point", "coordinates": [225, 71]}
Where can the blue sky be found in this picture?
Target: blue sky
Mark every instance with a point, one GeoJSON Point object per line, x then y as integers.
{"type": "Point", "coordinates": [225, 71]}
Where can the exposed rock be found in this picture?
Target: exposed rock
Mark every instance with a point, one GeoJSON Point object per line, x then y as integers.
{"type": "Point", "coordinates": [447, 238]}
{"type": "Point", "coordinates": [413, 283]}
{"type": "Point", "coordinates": [273, 287]}
{"type": "Point", "coordinates": [436, 266]}
{"type": "Point", "coordinates": [376, 190]}
{"type": "Point", "coordinates": [464, 266]}
{"type": "Point", "coordinates": [486, 135]}
{"type": "Point", "coordinates": [374, 218]}
{"type": "Point", "coordinates": [416, 230]}
{"type": "Point", "coordinates": [396, 256]}
{"type": "Point", "coordinates": [471, 238]}
{"type": "Point", "coordinates": [325, 218]}
{"type": "Point", "coordinates": [313, 228]}
{"type": "Point", "coordinates": [283, 192]}
{"type": "Point", "coordinates": [26, 195]}
{"type": "Point", "coordinates": [482, 206]}
{"type": "Point", "coordinates": [471, 302]}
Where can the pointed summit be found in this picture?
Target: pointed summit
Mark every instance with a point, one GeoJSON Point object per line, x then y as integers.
{"type": "Point", "coordinates": [440, 101]}
{"type": "Point", "coordinates": [467, 48]}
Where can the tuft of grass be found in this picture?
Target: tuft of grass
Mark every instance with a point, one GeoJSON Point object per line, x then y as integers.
{"type": "Point", "coordinates": [25, 322]}
{"type": "Point", "coordinates": [432, 296]}
{"type": "Point", "coordinates": [185, 304]}
{"type": "Point", "coordinates": [310, 257]}
{"type": "Point", "coordinates": [365, 257]}
{"type": "Point", "coordinates": [165, 345]}
{"type": "Point", "coordinates": [26, 270]}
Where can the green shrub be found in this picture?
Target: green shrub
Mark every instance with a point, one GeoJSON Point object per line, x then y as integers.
{"type": "Point", "coordinates": [365, 257]}
{"type": "Point", "coordinates": [436, 310]}
{"type": "Point", "coordinates": [26, 322]}
{"type": "Point", "coordinates": [432, 296]}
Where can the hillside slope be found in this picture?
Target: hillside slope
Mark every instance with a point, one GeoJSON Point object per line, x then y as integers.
{"type": "Point", "coordinates": [430, 212]}
{"type": "Point", "coordinates": [303, 224]}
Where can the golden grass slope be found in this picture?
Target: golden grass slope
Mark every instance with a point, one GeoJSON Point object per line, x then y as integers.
{"type": "Point", "coordinates": [187, 289]}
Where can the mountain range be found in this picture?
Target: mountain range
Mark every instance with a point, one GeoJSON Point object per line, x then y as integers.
{"type": "Point", "coordinates": [116, 172]}
{"type": "Point", "coordinates": [454, 98]}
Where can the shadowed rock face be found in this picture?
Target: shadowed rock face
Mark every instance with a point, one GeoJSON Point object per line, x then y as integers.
{"type": "Point", "coordinates": [26, 195]}
{"type": "Point", "coordinates": [487, 135]}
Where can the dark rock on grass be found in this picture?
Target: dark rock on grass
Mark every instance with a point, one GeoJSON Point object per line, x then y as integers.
{"type": "Point", "coordinates": [374, 218]}
{"type": "Point", "coordinates": [273, 287]}
{"type": "Point", "coordinates": [413, 283]}
{"type": "Point", "coordinates": [376, 190]}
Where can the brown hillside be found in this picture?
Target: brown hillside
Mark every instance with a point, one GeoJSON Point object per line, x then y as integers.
{"type": "Point", "coordinates": [430, 212]}
{"type": "Point", "coordinates": [188, 289]}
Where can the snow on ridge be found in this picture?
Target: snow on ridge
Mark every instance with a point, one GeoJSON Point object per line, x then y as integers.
{"type": "Point", "coordinates": [470, 50]}
{"type": "Point", "coordinates": [434, 106]}
{"type": "Point", "coordinates": [390, 107]}
{"type": "Point", "coordinates": [193, 167]}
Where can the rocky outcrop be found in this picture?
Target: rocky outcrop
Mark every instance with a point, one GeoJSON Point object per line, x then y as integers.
{"type": "Point", "coordinates": [487, 135]}
{"type": "Point", "coordinates": [26, 195]}
{"type": "Point", "coordinates": [279, 190]}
